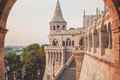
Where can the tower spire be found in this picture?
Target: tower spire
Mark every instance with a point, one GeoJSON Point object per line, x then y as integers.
{"type": "Point", "coordinates": [57, 16]}
{"type": "Point", "coordinates": [57, 22]}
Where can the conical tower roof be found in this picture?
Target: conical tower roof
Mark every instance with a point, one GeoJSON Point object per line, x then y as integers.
{"type": "Point", "coordinates": [57, 16]}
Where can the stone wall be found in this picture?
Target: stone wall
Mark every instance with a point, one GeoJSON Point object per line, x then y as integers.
{"type": "Point", "coordinates": [93, 69]}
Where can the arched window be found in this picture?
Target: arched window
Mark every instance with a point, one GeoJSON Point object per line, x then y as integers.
{"type": "Point", "coordinates": [53, 27]}
{"type": "Point", "coordinates": [106, 38]}
{"type": "Point", "coordinates": [55, 43]}
{"type": "Point", "coordinates": [58, 27]}
{"type": "Point", "coordinates": [81, 42]}
{"type": "Point", "coordinates": [63, 43]}
{"type": "Point", "coordinates": [73, 43]}
{"type": "Point", "coordinates": [63, 27]}
{"type": "Point", "coordinates": [68, 42]}
{"type": "Point", "coordinates": [110, 35]}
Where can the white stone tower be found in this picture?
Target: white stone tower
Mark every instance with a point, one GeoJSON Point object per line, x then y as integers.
{"type": "Point", "coordinates": [55, 50]}
{"type": "Point", "coordinates": [57, 24]}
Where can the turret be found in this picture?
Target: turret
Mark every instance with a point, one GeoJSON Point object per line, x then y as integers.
{"type": "Point", "coordinates": [57, 23]}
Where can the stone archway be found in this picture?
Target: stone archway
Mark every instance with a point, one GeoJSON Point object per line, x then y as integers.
{"type": "Point", "coordinates": [113, 5]}
{"type": "Point", "coordinates": [5, 7]}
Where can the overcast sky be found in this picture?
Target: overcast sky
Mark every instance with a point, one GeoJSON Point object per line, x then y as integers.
{"type": "Point", "coordinates": [28, 19]}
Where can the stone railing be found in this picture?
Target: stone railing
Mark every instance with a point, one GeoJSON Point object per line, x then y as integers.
{"type": "Point", "coordinates": [59, 48]}
{"type": "Point", "coordinates": [54, 48]}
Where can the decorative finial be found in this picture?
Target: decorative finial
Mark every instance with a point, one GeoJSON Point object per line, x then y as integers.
{"type": "Point", "coordinates": [97, 11]}
{"type": "Point", "coordinates": [84, 13]}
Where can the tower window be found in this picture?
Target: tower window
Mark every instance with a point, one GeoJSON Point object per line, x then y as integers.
{"type": "Point", "coordinates": [63, 27]}
{"type": "Point", "coordinates": [58, 27]}
{"type": "Point", "coordinates": [63, 43]}
{"type": "Point", "coordinates": [53, 27]}
{"type": "Point", "coordinates": [68, 42]}
{"type": "Point", "coordinates": [55, 43]}
{"type": "Point", "coordinates": [73, 43]}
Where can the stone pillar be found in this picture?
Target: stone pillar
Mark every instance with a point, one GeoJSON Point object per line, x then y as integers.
{"type": "Point", "coordinates": [88, 45]}
{"type": "Point", "coordinates": [50, 58]}
{"type": "Point", "coordinates": [2, 39]}
{"type": "Point", "coordinates": [86, 42]}
{"type": "Point", "coordinates": [90, 42]}
{"type": "Point", "coordinates": [93, 41]}
{"type": "Point", "coordinates": [2, 67]}
{"type": "Point", "coordinates": [3, 20]}
{"type": "Point", "coordinates": [55, 57]}
{"type": "Point", "coordinates": [96, 40]}
{"type": "Point", "coordinates": [101, 41]}
{"type": "Point", "coordinates": [60, 56]}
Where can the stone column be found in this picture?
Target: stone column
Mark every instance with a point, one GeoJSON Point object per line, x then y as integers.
{"type": "Point", "coordinates": [2, 67]}
{"type": "Point", "coordinates": [88, 40]}
{"type": "Point", "coordinates": [96, 41]}
{"type": "Point", "coordinates": [48, 56]}
{"type": "Point", "coordinates": [54, 57]}
{"type": "Point", "coordinates": [93, 41]}
{"type": "Point", "coordinates": [86, 43]}
{"type": "Point", "coordinates": [51, 57]}
{"type": "Point", "coordinates": [60, 56]}
{"type": "Point", "coordinates": [101, 41]}
{"type": "Point", "coordinates": [2, 39]}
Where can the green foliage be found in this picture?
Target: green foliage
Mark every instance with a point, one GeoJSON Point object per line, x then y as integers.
{"type": "Point", "coordinates": [33, 50]}
{"type": "Point", "coordinates": [26, 56]}
{"type": "Point", "coordinates": [32, 60]}
{"type": "Point", "coordinates": [12, 56]}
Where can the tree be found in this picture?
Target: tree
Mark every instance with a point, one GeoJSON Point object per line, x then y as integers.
{"type": "Point", "coordinates": [34, 61]}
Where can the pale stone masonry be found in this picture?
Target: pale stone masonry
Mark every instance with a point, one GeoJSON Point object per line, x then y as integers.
{"type": "Point", "coordinates": [64, 42]}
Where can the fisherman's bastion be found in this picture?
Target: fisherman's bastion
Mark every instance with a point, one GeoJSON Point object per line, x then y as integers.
{"type": "Point", "coordinates": [68, 56]}
{"type": "Point", "coordinates": [90, 52]}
